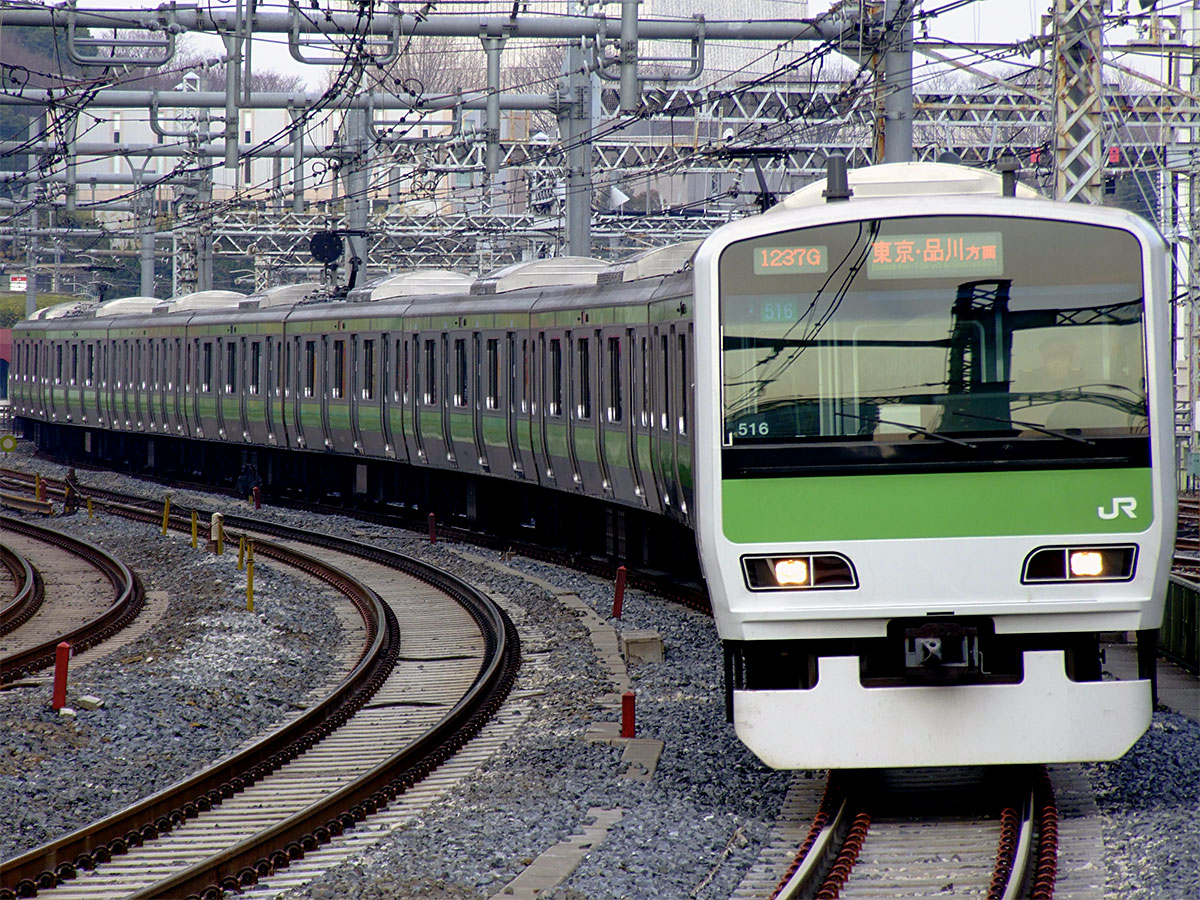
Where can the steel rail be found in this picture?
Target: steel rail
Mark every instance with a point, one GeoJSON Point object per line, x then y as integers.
{"type": "Point", "coordinates": [45, 866]}
{"type": "Point", "coordinates": [128, 597]}
{"type": "Point", "coordinates": [30, 591]}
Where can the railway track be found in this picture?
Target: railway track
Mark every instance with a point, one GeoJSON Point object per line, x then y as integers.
{"type": "Point", "coordinates": [418, 694]}
{"type": "Point", "coordinates": [896, 834]}
{"type": "Point", "coordinates": [87, 597]}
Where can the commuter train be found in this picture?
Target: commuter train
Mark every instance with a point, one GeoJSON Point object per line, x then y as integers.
{"type": "Point", "coordinates": [918, 425]}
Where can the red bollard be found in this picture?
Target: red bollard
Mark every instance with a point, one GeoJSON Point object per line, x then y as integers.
{"type": "Point", "coordinates": [432, 528]}
{"type": "Point", "coordinates": [256, 492]}
{"type": "Point", "coordinates": [627, 718]}
{"type": "Point", "coordinates": [619, 594]}
{"type": "Point", "coordinates": [62, 656]}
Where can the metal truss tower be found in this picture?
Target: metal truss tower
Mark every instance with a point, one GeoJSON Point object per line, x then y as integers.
{"type": "Point", "coordinates": [1078, 100]}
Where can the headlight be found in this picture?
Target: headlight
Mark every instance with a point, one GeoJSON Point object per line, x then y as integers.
{"type": "Point", "coordinates": [1047, 565]}
{"type": "Point", "coordinates": [805, 571]}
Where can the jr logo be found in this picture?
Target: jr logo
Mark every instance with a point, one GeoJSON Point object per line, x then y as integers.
{"type": "Point", "coordinates": [1120, 505]}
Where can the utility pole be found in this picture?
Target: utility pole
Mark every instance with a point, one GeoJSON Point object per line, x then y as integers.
{"type": "Point", "coordinates": [897, 131]}
{"type": "Point", "coordinates": [1078, 100]}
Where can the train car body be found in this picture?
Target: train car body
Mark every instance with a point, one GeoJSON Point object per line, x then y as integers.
{"type": "Point", "coordinates": [912, 540]}
{"type": "Point", "coordinates": [937, 435]}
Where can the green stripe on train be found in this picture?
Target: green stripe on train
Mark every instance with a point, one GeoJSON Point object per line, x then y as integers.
{"type": "Point", "coordinates": [957, 504]}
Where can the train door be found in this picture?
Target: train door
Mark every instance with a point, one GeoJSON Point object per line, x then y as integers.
{"type": "Point", "coordinates": [550, 433]}
{"type": "Point", "coordinates": [681, 341]}
{"type": "Point", "coordinates": [460, 397]}
{"type": "Point", "coordinates": [616, 417]}
{"type": "Point", "coordinates": [391, 378]}
{"type": "Point", "coordinates": [442, 374]}
{"type": "Point", "coordinates": [485, 399]}
{"type": "Point", "coordinates": [370, 395]}
{"type": "Point", "coordinates": [307, 417]}
{"type": "Point", "coordinates": [226, 357]}
{"type": "Point", "coordinates": [176, 378]}
{"type": "Point", "coordinates": [356, 403]}
{"type": "Point", "coordinates": [590, 418]}
{"type": "Point", "coordinates": [91, 383]}
{"type": "Point", "coordinates": [395, 362]}
{"type": "Point", "coordinates": [663, 432]}
{"type": "Point", "coordinates": [520, 434]}
{"type": "Point", "coordinates": [262, 413]}
{"type": "Point", "coordinates": [248, 368]}
{"type": "Point", "coordinates": [417, 401]}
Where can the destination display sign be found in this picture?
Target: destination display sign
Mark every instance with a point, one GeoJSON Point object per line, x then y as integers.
{"type": "Point", "coordinates": [976, 253]}
{"type": "Point", "coordinates": [790, 260]}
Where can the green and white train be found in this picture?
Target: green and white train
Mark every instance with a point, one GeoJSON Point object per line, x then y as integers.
{"type": "Point", "coordinates": [920, 431]}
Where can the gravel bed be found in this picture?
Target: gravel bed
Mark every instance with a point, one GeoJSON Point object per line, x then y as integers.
{"type": "Point", "coordinates": [700, 823]}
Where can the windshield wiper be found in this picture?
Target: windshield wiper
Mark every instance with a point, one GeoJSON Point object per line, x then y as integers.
{"type": "Point", "coordinates": [1032, 426]}
{"type": "Point", "coordinates": [916, 429]}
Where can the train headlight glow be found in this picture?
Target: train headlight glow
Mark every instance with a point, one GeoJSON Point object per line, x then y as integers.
{"type": "Point", "coordinates": [791, 572]}
{"type": "Point", "coordinates": [798, 572]}
{"type": "Point", "coordinates": [1086, 564]}
{"type": "Point", "coordinates": [1049, 565]}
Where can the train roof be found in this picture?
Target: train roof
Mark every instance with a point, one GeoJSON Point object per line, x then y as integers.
{"type": "Point", "coordinates": [411, 282]}
{"type": "Point", "coordinates": [907, 179]}
{"type": "Point", "coordinates": [201, 300]}
{"type": "Point", "coordinates": [650, 263]}
{"type": "Point", "coordinates": [61, 310]}
{"type": "Point", "coordinates": [555, 271]}
{"type": "Point", "coordinates": [283, 295]}
{"type": "Point", "coordinates": [127, 306]}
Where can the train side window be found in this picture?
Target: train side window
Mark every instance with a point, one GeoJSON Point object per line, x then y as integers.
{"type": "Point", "coordinates": [583, 409]}
{"type": "Point", "coordinates": [556, 377]}
{"type": "Point", "coordinates": [645, 410]}
{"type": "Point", "coordinates": [255, 372]}
{"type": "Point", "coordinates": [206, 364]}
{"type": "Point", "coordinates": [231, 381]}
{"type": "Point", "coordinates": [91, 364]}
{"type": "Point", "coordinates": [74, 364]}
{"type": "Point", "coordinates": [616, 410]}
{"type": "Point", "coordinates": [665, 381]}
{"type": "Point", "coordinates": [460, 372]}
{"type": "Point", "coordinates": [525, 375]}
{"type": "Point", "coordinates": [400, 385]}
{"type": "Point", "coordinates": [339, 369]}
{"type": "Point", "coordinates": [493, 373]}
{"type": "Point", "coordinates": [310, 368]}
{"type": "Point", "coordinates": [683, 384]}
{"type": "Point", "coordinates": [368, 388]}
{"type": "Point", "coordinates": [430, 372]}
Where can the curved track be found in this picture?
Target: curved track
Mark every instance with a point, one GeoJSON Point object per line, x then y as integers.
{"type": "Point", "coordinates": [418, 694]}
{"type": "Point", "coordinates": [89, 596]}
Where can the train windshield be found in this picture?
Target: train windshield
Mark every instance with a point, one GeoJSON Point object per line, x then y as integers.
{"type": "Point", "coordinates": [935, 339]}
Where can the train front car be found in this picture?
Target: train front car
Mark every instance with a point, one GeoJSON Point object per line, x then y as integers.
{"type": "Point", "coordinates": [937, 423]}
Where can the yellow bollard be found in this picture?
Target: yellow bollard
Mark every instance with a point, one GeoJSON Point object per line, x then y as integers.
{"type": "Point", "coordinates": [241, 552]}
{"type": "Point", "coordinates": [38, 488]}
{"type": "Point", "coordinates": [216, 532]}
{"type": "Point", "coordinates": [166, 512]}
{"type": "Point", "coordinates": [250, 577]}
{"type": "Point", "coordinates": [195, 528]}
{"type": "Point", "coordinates": [89, 507]}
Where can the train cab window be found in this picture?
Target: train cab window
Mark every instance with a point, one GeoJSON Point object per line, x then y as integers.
{"type": "Point", "coordinates": [665, 382]}
{"type": "Point", "coordinates": [255, 373]}
{"type": "Point", "coordinates": [583, 409]}
{"type": "Point", "coordinates": [431, 396]}
{"type": "Point", "coordinates": [368, 361]}
{"type": "Point", "coordinates": [310, 368]}
{"type": "Point", "coordinates": [683, 385]}
{"type": "Point", "coordinates": [493, 373]}
{"type": "Point", "coordinates": [615, 401]}
{"type": "Point", "coordinates": [460, 372]}
{"type": "Point", "coordinates": [206, 367]}
{"type": "Point", "coordinates": [556, 377]}
{"type": "Point", "coordinates": [231, 384]}
{"type": "Point", "coordinates": [339, 370]}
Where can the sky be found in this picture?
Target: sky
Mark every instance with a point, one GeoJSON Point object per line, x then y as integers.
{"type": "Point", "coordinates": [986, 21]}
{"type": "Point", "coordinates": [983, 20]}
